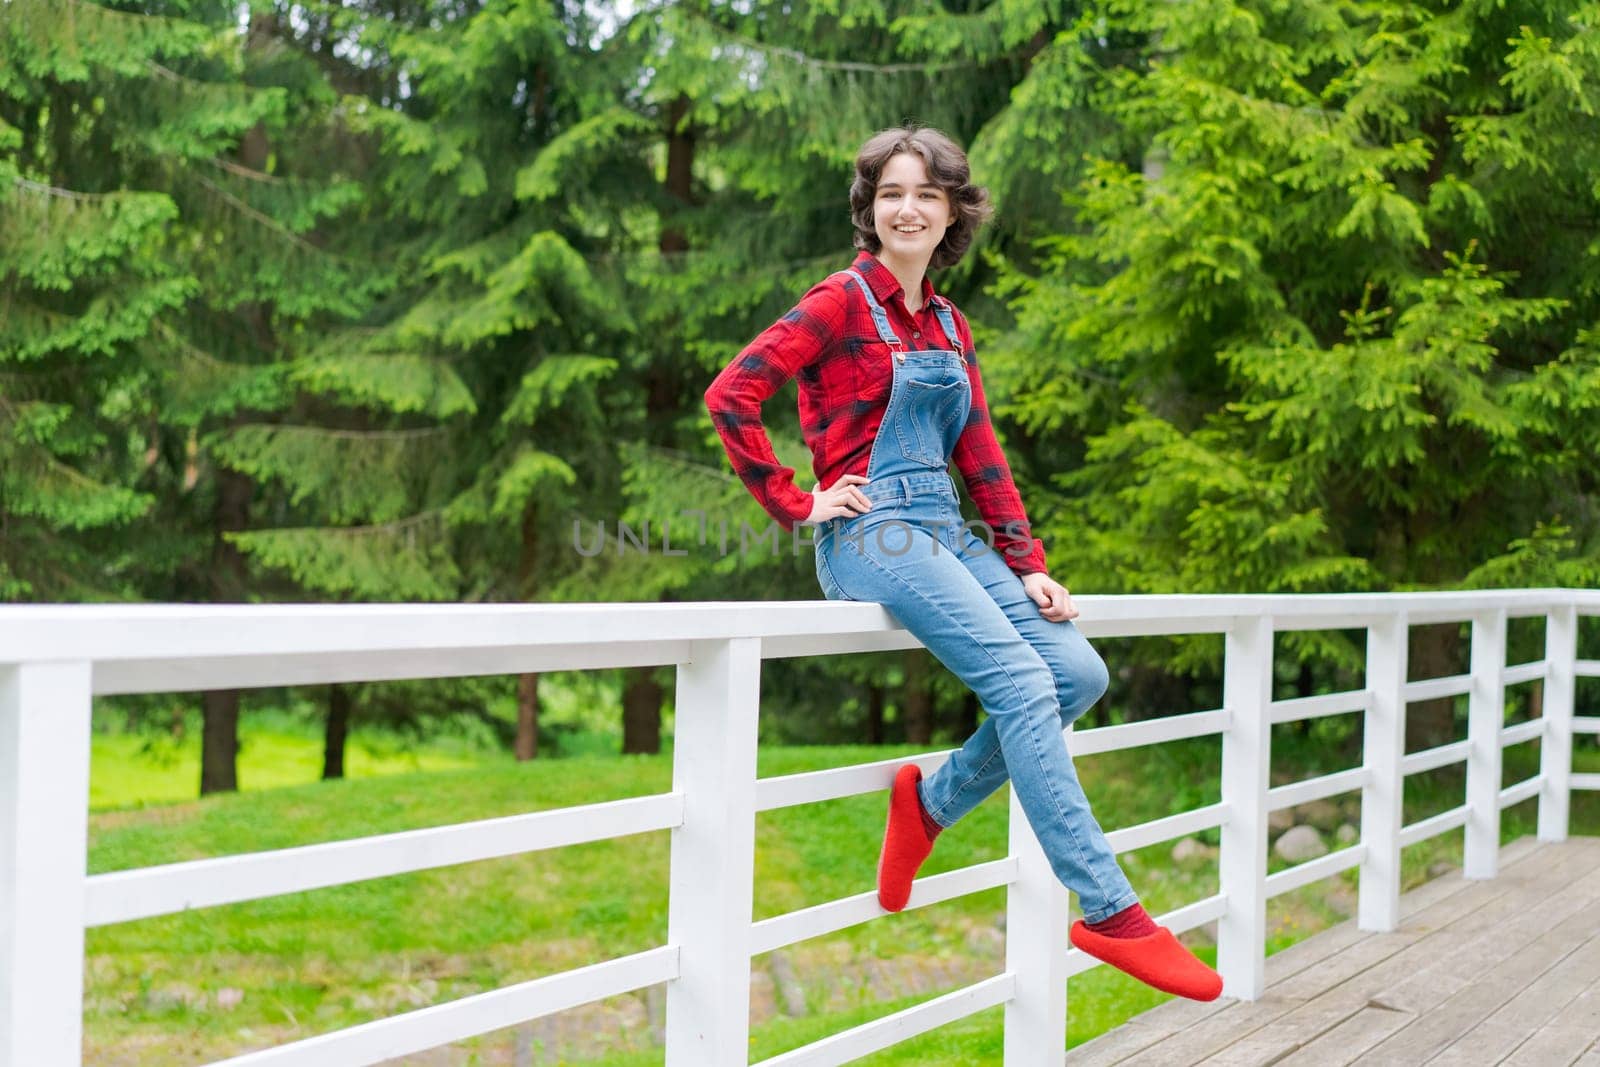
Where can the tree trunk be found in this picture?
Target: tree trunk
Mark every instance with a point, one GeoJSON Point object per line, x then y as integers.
{"type": "Point", "coordinates": [967, 719]}
{"type": "Point", "coordinates": [918, 707]}
{"type": "Point", "coordinates": [219, 744]}
{"type": "Point", "coordinates": [527, 743]}
{"type": "Point", "coordinates": [1435, 653]}
{"type": "Point", "coordinates": [641, 712]}
{"type": "Point", "coordinates": [219, 741]}
{"type": "Point", "coordinates": [338, 728]}
{"type": "Point", "coordinates": [680, 171]}
{"type": "Point", "coordinates": [1153, 691]}
{"type": "Point", "coordinates": [875, 703]}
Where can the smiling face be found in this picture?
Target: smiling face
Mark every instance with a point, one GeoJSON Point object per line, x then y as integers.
{"type": "Point", "coordinates": [910, 212]}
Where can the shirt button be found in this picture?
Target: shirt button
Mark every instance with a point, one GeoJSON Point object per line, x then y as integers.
{"type": "Point", "coordinates": [915, 334]}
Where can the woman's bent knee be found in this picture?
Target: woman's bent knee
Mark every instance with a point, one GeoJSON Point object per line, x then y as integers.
{"type": "Point", "coordinates": [1082, 684]}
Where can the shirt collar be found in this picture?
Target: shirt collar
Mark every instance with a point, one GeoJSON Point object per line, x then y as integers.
{"type": "Point", "coordinates": [885, 286]}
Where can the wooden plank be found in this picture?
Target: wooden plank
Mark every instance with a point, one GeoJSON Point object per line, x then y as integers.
{"type": "Point", "coordinates": [1455, 927]}
{"type": "Point", "coordinates": [1446, 993]}
{"type": "Point", "coordinates": [1116, 1045]}
{"type": "Point", "coordinates": [1540, 1003]}
{"type": "Point", "coordinates": [1564, 1041]}
{"type": "Point", "coordinates": [1215, 1032]}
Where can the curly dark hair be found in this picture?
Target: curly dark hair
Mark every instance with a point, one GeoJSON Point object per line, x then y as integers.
{"type": "Point", "coordinates": [947, 168]}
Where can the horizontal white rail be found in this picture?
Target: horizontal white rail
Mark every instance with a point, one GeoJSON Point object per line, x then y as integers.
{"type": "Point", "coordinates": [1435, 825]}
{"type": "Point", "coordinates": [1436, 688]}
{"type": "Point", "coordinates": [1317, 707]}
{"type": "Point", "coordinates": [426, 1028]}
{"type": "Point", "coordinates": [1524, 672]}
{"type": "Point", "coordinates": [184, 675]}
{"type": "Point", "coordinates": [1287, 796]}
{"type": "Point", "coordinates": [1315, 870]}
{"type": "Point", "coordinates": [836, 915]}
{"type": "Point", "coordinates": [1150, 732]}
{"type": "Point", "coordinates": [1522, 732]}
{"type": "Point", "coordinates": [138, 894]}
{"type": "Point", "coordinates": [1524, 790]}
{"type": "Point", "coordinates": [1587, 668]}
{"type": "Point", "coordinates": [1430, 759]}
{"type": "Point", "coordinates": [812, 787]}
{"type": "Point", "coordinates": [836, 644]}
{"type": "Point", "coordinates": [1154, 832]}
{"type": "Point", "coordinates": [1586, 724]}
{"type": "Point", "coordinates": [1197, 914]}
{"type": "Point", "coordinates": [879, 1034]}
{"type": "Point", "coordinates": [171, 636]}
{"type": "Point", "coordinates": [1585, 781]}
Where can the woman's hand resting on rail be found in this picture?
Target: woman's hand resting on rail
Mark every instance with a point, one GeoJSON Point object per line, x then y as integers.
{"type": "Point", "coordinates": [1055, 603]}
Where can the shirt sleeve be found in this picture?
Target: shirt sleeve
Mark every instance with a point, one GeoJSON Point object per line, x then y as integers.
{"type": "Point", "coordinates": [800, 337]}
{"type": "Point", "coordinates": [983, 467]}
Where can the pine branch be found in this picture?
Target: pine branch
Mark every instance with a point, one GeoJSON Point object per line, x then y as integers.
{"type": "Point", "coordinates": [265, 220]}
{"type": "Point", "coordinates": [817, 63]}
{"type": "Point", "coordinates": [379, 529]}
{"type": "Point", "coordinates": [242, 171]}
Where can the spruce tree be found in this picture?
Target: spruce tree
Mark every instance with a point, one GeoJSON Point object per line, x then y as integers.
{"type": "Point", "coordinates": [1327, 321]}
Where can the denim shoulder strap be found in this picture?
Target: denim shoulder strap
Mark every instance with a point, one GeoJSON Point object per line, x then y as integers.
{"type": "Point", "coordinates": [880, 317]}
{"type": "Point", "coordinates": [949, 323]}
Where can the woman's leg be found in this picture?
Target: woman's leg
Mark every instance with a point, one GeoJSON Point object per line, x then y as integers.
{"type": "Point", "coordinates": [978, 768]}
{"type": "Point", "coordinates": [936, 596]}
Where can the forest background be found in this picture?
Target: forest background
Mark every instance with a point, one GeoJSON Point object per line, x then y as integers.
{"type": "Point", "coordinates": [400, 300]}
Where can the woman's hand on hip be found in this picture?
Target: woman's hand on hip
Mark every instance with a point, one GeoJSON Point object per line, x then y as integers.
{"type": "Point", "coordinates": [1055, 603]}
{"type": "Point", "coordinates": [841, 498]}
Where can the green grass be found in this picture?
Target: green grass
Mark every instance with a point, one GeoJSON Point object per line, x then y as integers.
{"type": "Point", "coordinates": [128, 770]}
{"type": "Point", "coordinates": [314, 962]}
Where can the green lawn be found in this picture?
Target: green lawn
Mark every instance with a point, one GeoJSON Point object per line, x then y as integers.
{"type": "Point", "coordinates": [128, 770]}
{"type": "Point", "coordinates": [210, 983]}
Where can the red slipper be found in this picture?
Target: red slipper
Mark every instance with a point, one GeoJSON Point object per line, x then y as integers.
{"type": "Point", "coordinates": [906, 841]}
{"type": "Point", "coordinates": [1157, 960]}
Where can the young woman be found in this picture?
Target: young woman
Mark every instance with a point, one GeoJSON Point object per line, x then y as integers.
{"type": "Point", "coordinates": [889, 395]}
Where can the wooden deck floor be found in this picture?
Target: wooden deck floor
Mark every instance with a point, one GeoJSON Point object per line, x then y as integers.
{"type": "Point", "coordinates": [1505, 971]}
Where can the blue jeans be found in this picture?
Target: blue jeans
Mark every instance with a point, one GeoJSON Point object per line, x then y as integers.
{"type": "Point", "coordinates": [912, 554]}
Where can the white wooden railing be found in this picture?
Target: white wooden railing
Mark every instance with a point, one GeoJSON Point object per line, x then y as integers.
{"type": "Point", "coordinates": [53, 660]}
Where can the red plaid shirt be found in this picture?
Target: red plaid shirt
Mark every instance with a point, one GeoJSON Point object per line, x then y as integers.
{"type": "Point", "coordinates": [829, 342]}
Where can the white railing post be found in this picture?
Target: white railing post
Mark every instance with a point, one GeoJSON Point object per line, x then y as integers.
{"type": "Point", "coordinates": [44, 832]}
{"type": "Point", "coordinates": [1036, 953]}
{"type": "Point", "coordinates": [1246, 760]}
{"type": "Point", "coordinates": [1486, 716]}
{"type": "Point", "coordinates": [1383, 746]}
{"type": "Point", "coordinates": [713, 854]}
{"type": "Point", "coordinates": [1560, 693]}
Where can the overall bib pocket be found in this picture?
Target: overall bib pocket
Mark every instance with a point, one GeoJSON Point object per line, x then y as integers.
{"type": "Point", "coordinates": [934, 416]}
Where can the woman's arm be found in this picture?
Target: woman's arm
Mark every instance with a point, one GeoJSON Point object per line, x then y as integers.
{"type": "Point", "coordinates": [982, 463]}
{"type": "Point", "coordinates": [734, 398]}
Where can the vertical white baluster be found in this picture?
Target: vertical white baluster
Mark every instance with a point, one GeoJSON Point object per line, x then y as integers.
{"type": "Point", "coordinates": [713, 854]}
{"type": "Point", "coordinates": [1246, 760]}
{"type": "Point", "coordinates": [1383, 746]}
{"type": "Point", "coordinates": [1486, 716]}
{"type": "Point", "coordinates": [44, 821]}
{"type": "Point", "coordinates": [1036, 952]}
{"type": "Point", "coordinates": [1555, 748]}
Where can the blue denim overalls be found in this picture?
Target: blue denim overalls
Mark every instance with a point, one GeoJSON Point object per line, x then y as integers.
{"type": "Point", "coordinates": [912, 553]}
